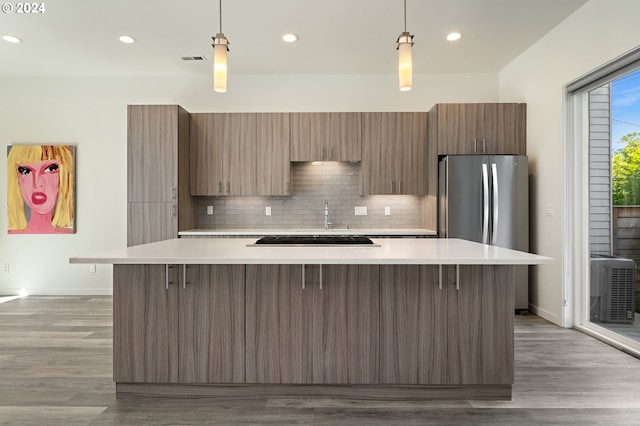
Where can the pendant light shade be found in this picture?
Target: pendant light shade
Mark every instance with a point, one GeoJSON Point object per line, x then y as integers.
{"type": "Point", "coordinates": [405, 67]}
{"type": "Point", "coordinates": [220, 49]}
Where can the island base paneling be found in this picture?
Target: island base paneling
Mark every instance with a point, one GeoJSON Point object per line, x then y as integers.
{"type": "Point", "coordinates": [322, 331]}
{"type": "Point", "coordinates": [178, 323]}
{"type": "Point", "coordinates": [460, 334]}
{"type": "Point", "coordinates": [358, 331]}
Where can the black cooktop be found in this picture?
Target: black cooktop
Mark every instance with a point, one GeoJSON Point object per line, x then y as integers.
{"type": "Point", "coordinates": [314, 240]}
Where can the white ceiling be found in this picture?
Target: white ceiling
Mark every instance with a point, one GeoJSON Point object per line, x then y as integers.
{"type": "Point", "coordinates": [80, 37]}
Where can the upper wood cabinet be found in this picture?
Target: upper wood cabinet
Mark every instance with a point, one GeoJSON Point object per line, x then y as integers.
{"type": "Point", "coordinates": [484, 128]}
{"type": "Point", "coordinates": [159, 201]}
{"type": "Point", "coordinates": [223, 154]}
{"type": "Point", "coordinates": [394, 153]}
{"type": "Point", "coordinates": [326, 136]}
{"type": "Point", "coordinates": [273, 165]}
{"type": "Point", "coordinates": [154, 133]}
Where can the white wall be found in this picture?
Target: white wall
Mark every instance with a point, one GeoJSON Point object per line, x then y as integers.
{"type": "Point", "coordinates": [90, 112]}
{"type": "Point", "coordinates": [595, 34]}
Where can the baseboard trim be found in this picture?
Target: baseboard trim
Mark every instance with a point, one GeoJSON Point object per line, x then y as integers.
{"type": "Point", "coordinates": [362, 392]}
{"type": "Point", "coordinates": [543, 313]}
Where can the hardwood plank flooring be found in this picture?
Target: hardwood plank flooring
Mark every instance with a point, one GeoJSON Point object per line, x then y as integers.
{"type": "Point", "coordinates": [55, 369]}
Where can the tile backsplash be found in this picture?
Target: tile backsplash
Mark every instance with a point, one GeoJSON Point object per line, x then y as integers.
{"type": "Point", "coordinates": [336, 182]}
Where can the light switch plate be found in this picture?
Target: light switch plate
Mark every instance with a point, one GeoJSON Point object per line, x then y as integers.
{"type": "Point", "coordinates": [209, 210]}
{"type": "Point", "coordinates": [361, 211]}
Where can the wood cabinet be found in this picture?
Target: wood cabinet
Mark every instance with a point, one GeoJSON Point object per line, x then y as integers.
{"type": "Point", "coordinates": [175, 325]}
{"type": "Point", "coordinates": [326, 136]}
{"type": "Point", "coordinates": [413, 325]}
{"type": "Point", "coordinates": [480, 321]}
{"type": "Point", "coordinates": [145, 325]}
{"type": "Point", "coordinates": [149, 222]}
{"type": "Point", "coordinates": [278, 325]}
{"type": "Point", "coordinates": [391, 326]}
{"type": "Point", "coordinates": [455, 335]}
{"type": "Point", "coordinates": [158, 173]}
{"type": "Point", "coordinates": [211, 324]}
{"type": "Point", "coordinates": [394, 153]}
{"type": "Point", "coordinates": [223, 154]}
{"type": "Point", "coordinates": [484, 128]}
{"type": "Point", "coordinates": [326, 332]}
{"type": "Point", "coordinates": [273, 164]}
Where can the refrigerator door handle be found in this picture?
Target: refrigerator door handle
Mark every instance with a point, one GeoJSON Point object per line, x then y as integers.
{"type": "Point", "coordinates": [485, 202]}
{"type": "Point", "coordinates": [494, 184]}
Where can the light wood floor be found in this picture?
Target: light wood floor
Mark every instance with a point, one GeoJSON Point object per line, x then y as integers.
{"type": "Point", "coordinates": [55, 369]}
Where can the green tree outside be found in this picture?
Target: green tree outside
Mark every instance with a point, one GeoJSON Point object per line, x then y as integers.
{"type": "Point", "coordinates": [625, 172]}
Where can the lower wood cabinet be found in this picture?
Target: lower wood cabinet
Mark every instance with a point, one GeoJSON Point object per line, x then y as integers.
{"type": "Point", "coordinates": [455, 335]}
{"type": "Point", "coordinates": [480, 318]}
{"type": "Point", "coordinates": [211, 324]}
{"type": "Point", "coordinates": [145, 325]}
{"type": "Point", "coordinates": [324, 333]}
{"type": "Point", "coordinates": [190, 332]}
{"type": "Point", "coordinates": [413, 325]}
{"type": "Point", "coordinates": [314, 324]}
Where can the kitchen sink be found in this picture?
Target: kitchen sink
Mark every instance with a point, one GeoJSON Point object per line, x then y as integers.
{"type": "Point", "coordinates": [316, 240]}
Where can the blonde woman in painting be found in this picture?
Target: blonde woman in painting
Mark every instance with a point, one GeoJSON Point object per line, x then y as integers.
{"type": "Point", "coordinates": [40, 189]}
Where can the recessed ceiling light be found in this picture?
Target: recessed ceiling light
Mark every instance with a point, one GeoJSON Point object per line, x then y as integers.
{"type": "Point", "coordinates": [290, 38]}
{"type": "Point", "coordinates": [454, 36]}
{"type": "Point", "coordinates": [127, 39]}
{"type": "Point", "coordinates": [11, 39]}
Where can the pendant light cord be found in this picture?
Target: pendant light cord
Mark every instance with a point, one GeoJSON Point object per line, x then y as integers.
{"type": "Point", "coordinates": [221, 16]}
{"type": "Point", "coordinates": [405, 15]}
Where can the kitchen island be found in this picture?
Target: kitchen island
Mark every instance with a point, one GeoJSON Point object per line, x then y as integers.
{"type": "Point", "coordinates": [405, 319]}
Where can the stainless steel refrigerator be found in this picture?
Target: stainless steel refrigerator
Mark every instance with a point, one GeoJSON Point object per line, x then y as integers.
{"type": "Point", "coordinates": [485, 198]}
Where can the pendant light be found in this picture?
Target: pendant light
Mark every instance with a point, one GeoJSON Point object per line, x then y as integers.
{"type": "Point", "coordinates": [220, 49]}
{"type": "Point", "coordinates": [405, 42]}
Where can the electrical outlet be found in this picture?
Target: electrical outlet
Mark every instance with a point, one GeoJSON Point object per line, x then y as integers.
{"type": "Point", "coordinates": [5, 267]}
{"type": "Point", "coordinates": [209, 210]}
{"type": "Point", "coordinates": [92, 269]}
{"type": "Point", "coordinates": [361, 211]}
{"type": "Point", "coordinates": [387, 211]}
{"type": "Point", "coordinates": [267, 211]}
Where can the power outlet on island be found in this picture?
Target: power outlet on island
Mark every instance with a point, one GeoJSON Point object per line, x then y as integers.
{"type": "Point", "coordinates": [361, 211]}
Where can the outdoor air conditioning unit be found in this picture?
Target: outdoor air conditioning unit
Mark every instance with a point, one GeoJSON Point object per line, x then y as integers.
{"type": "Point", "coordinates": [613, 289]}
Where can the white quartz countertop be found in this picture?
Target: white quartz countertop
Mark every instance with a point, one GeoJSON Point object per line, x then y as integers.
{"type": "Point", "coordinates": [311, 231]}
{"type": "Point", "coordinates": [391, 251]}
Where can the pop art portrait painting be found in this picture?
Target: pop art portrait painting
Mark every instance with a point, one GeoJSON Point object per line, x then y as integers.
{"type": "Point", "coordinates": [40, 189]}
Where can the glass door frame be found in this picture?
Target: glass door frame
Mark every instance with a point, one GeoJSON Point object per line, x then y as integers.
{"type": "Point", "coordinates": [576, 216]}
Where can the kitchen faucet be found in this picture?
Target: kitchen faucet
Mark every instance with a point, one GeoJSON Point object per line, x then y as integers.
{"type": "Point", "coordinates": [326, 215]}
